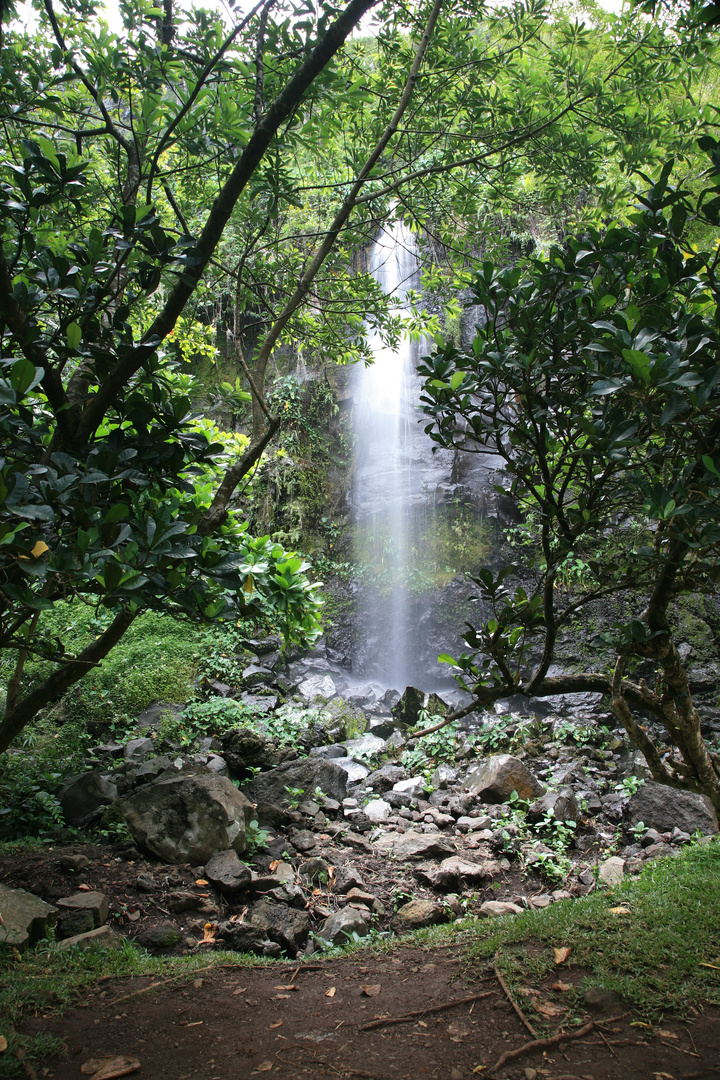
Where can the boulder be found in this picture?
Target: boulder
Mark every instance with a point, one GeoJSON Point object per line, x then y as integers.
{"type": "Point", "coordinates": [354, 770]}
{"type": "Point", "coordinates": [341, 925]}
{"type": "Point", "coordinates": [136, 750]}
{"type": "Point", "coordinates": [493, 908]}
{"type": "Point", "coordinates": [317, 686]}
{"type": "Point", "coordinates": [84, 795]}
{"type": "Point", "coordinates": [383, 779]}
{"type": "Point", "coordinates": [416, 914]}
{"type": "Point", "coordinates": [189, 818]}
{"type": "Point", "coordinates": [452, 872]}
{"type": "Point", "coordinates": [285, 925]}
{"type": "Point", "coordinates": [414, 845]}
{"type": "Point", "coordinates": [367, 745]}
{"type": "Point", "coordinates": [227, 871]}
{"type": "Point", "coordinates": [494, 780]}
{"type": "Point", "coordinates": [306, 775]}
{"type": "Point", "coordinates": [665, 808]}
{"type": "Point", "coordinates": [95, 903]}
{"type": "Point", "coordinates": [243, 938]}
{"type": "Point", "coordinates": [101, 938]}
{"type": "Point", "coordinates": [164, 935]}
{"type": "Point", "coordinates": [407, 709]}
{"type": "Point", "coordinates": [378, 810]}
{"type": "Point", "coordinates": [26, 918]}
{"type": "Point", "coordinates": [612, 872]}
{"type": "Point", "coordinates": [245, 750]}
{"type": "Point", "coordinates": [562, 803]}
{"type": "Point", "coordinates": [414, 786]}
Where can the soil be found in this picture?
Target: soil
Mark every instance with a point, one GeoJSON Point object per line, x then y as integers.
{"type": "Point", "coordinates": [228, 1023]}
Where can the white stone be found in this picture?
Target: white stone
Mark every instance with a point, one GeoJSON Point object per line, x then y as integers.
{"type": "Point", "coordinates": [317, 686]}
{"type": "Point", "coordinates": [378, 810]}
{"type": "Point", "coordinates": [414, 786]}
{"type": "Point", "coordinates": [367, 745]}
{"type": "Point", "coordinates": [612, 872]}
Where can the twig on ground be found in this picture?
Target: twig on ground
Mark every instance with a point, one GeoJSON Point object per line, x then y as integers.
{"type": "Point", "coordinates": [406, 1017]}
{"type": "Point", "coordinates": [523, 1018]}
{"type": "Point", "coordinates": [163, 982]}
{"type": "Point", "coordinates": [680, 1049]}
{"type": "Point", "coordinates": [548, 1044]}
{"type": "Point", "coordinates": [604, 1039]}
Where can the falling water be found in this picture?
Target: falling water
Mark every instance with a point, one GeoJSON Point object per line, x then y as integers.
{"type": "Point", "coordinates": [392, 483]}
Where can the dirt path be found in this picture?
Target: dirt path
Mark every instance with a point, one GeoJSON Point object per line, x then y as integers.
{"type": "Point", "coordinates": [315, 1020]}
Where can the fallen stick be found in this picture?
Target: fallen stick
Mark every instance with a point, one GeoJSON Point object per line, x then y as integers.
{"type": "Point", "coordinates": [406, 1017]}
{"type": "Point", "coordinates": [163, 982]}
{"type": "Point", "coordinates": [523, 1018]}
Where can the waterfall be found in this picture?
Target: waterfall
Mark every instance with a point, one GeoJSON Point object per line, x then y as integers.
{"type": "Point", "coordinates": [395, 480]}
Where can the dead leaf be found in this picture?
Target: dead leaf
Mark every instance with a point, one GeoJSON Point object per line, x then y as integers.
{"type": "Point", "coordinates": [274, 865]}
{"type": "Point", "coordinates": [3, 1044]}
{"type": "Point", "coordinates": [84, 888]}
{"type": "Point", "coordinates": [110, 1067]}
{"type": "Point", "coordinates": [289, 986]}
{"type": "Point", "coordinates": [715, 967]}
{"type": "Point", "coordinates": [561, 955]}
{"type": "Point", "coordinates": [197, 983]}
{"type": "Point", "coordinates": [276, 1024]}
{"type": "Point", "coordinates": [282, 997]}
{"type": "Point", "coordinates": [202, 881]}
{"type": "Point", "coordinates": [264, 1066]}
{"type": "Point", "coordinates": [667, 1034]}
{"type": "Point", "coordinates": [39, 549]}
{"type": "Point", "coordinates": [421, 1023]}
{"type": "Point", "coordinates": [619, 910]}
{"type": "Point", "coordinates": [549, 1009]}
{"type": "Point", "coordinates": [209, 931]}
{"type": "Point", "coordinates": [563, 987]}
{"type": "Point", "coordinates": [330, 992]}
{"type": "Point", "coordinates": [372, 991]}
{"type": "Point", "coordinates": [240, 990]}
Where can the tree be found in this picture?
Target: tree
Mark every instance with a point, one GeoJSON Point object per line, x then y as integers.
{"type": "Point", "coordinates": [594, 380]}
{"type": "Point", "coordinates": [142, 174]}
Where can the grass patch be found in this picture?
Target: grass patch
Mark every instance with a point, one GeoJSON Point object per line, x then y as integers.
{"type": "Point", "coordinates": [651, 957]}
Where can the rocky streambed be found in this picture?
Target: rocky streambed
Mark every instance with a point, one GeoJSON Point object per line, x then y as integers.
{"type": "Point", "coordinates": [321, 821]}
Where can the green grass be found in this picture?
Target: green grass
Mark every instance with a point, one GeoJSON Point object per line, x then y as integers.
{"type": "Point", "coordinates": [651, 957]}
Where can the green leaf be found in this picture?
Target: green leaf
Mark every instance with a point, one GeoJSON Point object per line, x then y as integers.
{"type": "Point", "coordinates": [73, 333]}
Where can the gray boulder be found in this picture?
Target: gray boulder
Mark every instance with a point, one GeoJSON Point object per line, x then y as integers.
{"type": "Point", "coordinates": [26, 918]}
{"type": "Point", "coordinates": [413, 845]}
{"type": "Point", "coordinates": [136, 750]}
{"type": "Point", "coordinates": [285, 925]}
{"type": "Point", "coordinates": [416, 914]}
{"type": "Point", "coordinates": [317, 686]}
{"type": "Point", "coordinates": [341, 925]}
{"type": "Point", "coordinates": [562, 803]}
{"type": "Point", "coordinates": [307, 774]}
{"type": "Point", "coordinates": [243, 938]}
{"type": "Point", "coordinates": [189, 818]}
{"type": "Point", "coordinates": [664, 808]}
{"type": "Point", "coordinates": [84, 795]}
{"type": "Point", "coordinates": [101, 938]}
{"type": "Point", "coordinates": [383, 779]}
{"type": "Point", "coordinates": [227, 872]}
{"type": "Point", "coordinates": [494, 780]}
{"type": "Point", "coordinates": [96, 904]}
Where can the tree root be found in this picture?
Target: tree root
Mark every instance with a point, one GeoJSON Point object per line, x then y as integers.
{"type": "Point", "coordinates": [548, 1044]}
{"type": "Point", "coordinates": [521, 1015]}
{"type": "Point", "coordinates": [407, 1017]}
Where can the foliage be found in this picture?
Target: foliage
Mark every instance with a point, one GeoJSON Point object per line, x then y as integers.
{"type": "Point", "coordinates": [594, 379]}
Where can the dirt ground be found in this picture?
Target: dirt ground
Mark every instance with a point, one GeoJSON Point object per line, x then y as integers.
{"type": "Point", "coordinates": [319, 1020]}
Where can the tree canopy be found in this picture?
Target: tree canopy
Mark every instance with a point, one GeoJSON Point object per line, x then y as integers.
{"type": "Point", "coordinates": [594, 381]}
{"type": "Point", "coordinates": [189, 172]}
